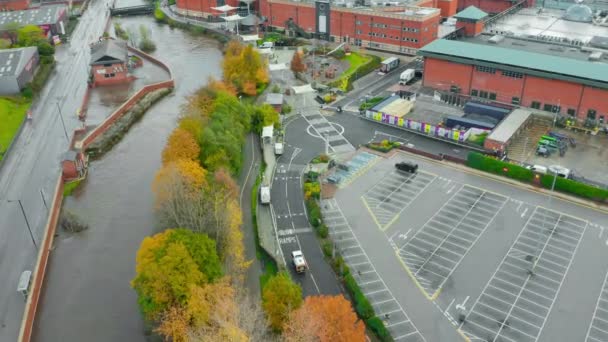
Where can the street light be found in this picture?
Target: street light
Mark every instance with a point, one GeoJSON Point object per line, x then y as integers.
{"type": "Point", "coordinates": [26, 221]}
{"type": "Point", "coordinates": [65, 131]}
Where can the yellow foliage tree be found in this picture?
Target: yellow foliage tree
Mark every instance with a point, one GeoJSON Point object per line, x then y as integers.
{"type": "Point", "coordinates": [244, 68]}
{"type": "Point", "coordinates": [179, 178]}
{"type": "Point", "coordinates": [325, 319]}
{"type": "Point", "coordinates": [280, 296]}
{"type": "Point", "coordinates": [181, 145]}
{"type": "Point", "coordinates": [210, 314]}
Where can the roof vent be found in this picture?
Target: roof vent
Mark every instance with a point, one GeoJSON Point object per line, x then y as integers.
{"type": "Point", "coordinates": [596, 56]}
{"type": "Point", "coordinates": [496, 39]}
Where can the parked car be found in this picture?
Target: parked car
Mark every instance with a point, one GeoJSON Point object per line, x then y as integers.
{"type": "Point", "coordinates": [407, 167]}
{"type": "Point", "coordinates": [543, 151]}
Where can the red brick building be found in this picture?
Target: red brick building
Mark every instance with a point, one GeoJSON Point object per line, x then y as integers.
{"type": "Point", "coordinates": [402, 29]}
{"type": "Point", "coordinates": [569, 81]}
{"type": "Point", "coordinates": [14, 5]}
{"type": "Point", "coordinates": [203, 8]}
{"type": "Point", "coordinates": [492, 6]}
{"type": "Point", "coordinates": [109, 60]}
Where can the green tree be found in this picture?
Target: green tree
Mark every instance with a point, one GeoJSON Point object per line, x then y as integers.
{"type": "Point", "coordinates": [45, 49]}
{"type": "Point", "coordinates": [169, 265]}
{"type": "Point", "coordinates": [29, 35]}
{"type": "Point", "coordinates": [265, 115]}
{"type": "Point", "coordinates": [280, 296]}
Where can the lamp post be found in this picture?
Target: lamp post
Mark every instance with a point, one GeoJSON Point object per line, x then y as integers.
{"type": "Point", "coordinates": [26, 221]}
{"type": "Point", "coordinates": [65, 131]}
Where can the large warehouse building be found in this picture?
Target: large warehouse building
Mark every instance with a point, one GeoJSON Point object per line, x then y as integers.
{"type": "Point", "coordinates": [397, 26]}
{"type": "Point", "coordinates": [549, 72]}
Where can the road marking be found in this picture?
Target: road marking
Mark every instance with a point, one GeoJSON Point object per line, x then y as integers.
{"type": "Point", "coordinates": [524, 213]}
{"type": "Point", "coordinates": [313, 281]}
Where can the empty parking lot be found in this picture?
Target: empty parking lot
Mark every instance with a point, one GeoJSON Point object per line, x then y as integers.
{"type": "Point", "coordinates": [494, 261]}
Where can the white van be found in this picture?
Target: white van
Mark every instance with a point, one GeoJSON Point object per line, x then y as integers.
{"type": "Point", "coordinates": [538, 169]}
{"type": "Point", "coordinates": [267, 45]}
{"type": "Point", "coordinates": [560, 171]}
{"type": "Point", "coordinates": [265, 194]}
{"type": "Point", "coordinates": [406, 76]}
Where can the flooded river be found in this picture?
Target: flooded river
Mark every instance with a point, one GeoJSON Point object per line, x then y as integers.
{"type": "Point", "coordinates": [87, 294]}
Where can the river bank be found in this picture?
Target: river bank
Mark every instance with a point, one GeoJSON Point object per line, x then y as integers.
{"type": "Point", "coordinates": [87, 290]}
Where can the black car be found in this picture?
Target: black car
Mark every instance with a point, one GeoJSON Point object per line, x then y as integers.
{"type": "Point", "coordinates": [407, 167]}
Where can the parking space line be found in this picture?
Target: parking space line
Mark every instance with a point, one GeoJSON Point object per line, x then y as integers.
{"type": "Point", "coordinates": [378, 199]}
{"type": "Point", "coordinates": [599, 314]}
{"type": "Point", "coordinates": [442, 237]}
{"type": "Point", "coordinates": [412, 329]}
{"type": "Point", "coordinates": [526, 305]}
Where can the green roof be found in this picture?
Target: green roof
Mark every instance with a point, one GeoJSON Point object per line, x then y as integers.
{"type": "Point", "coordinates": [531, 63]}
{"type": "Point", "coordinates": [471, 13]}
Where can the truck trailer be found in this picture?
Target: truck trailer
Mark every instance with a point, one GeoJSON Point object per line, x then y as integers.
{"type": "Point", "coordinates": [389, 65]}
{"type": "Point", "coordinates": [407, 76]}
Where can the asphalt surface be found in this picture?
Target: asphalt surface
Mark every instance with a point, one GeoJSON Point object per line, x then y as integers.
{"type": "Point", "coordinates": [444, 242]}
{"type": "Point", "coordinates": [247, 178]}
{"type": "Point", "coordinates": [373, 84]}
{"type": "Point", "coordinates": [31, 169]}
{"type": "Point", "coordinates": [293, 229]}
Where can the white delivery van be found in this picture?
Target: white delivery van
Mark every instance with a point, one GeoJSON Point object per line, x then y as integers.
{"type": "Point", "coordinates": [265, 194]}
{"type": "Point", "coordinates": [278, 145]}
{"type": "Point", "coordinates": [299, 263]}
{"type": "Point", "coordinates": [407, 76]}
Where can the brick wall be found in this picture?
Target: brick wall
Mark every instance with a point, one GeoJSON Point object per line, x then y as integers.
{"type": "Point", "coordinates": [15, 5]}
{"type": "Point", "coordinates": [37, 279]}
{"type": "Point", "coordinates": [440, 74]}
{"type": "Point", "coordinates": [125, 107]}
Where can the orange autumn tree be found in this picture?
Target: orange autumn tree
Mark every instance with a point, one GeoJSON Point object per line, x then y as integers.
{"type": "Point", "coordinates": [181, 145]}
{"type": "Point", "coordinates": [297, 63]}
{"type": "Point", "coordinates": [324, 319]}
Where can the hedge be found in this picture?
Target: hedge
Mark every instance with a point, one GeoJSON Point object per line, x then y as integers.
{"type": "Point", "coordinates": [362, 306]}
{"type": "Point", "coordinates": [314, 212]}
{"type": "Point", "coordinates": [479, 161]}
{"type": "Point", "coordinates": [575, 188]}
{"type": "Point", "coordinates": [377, 326]}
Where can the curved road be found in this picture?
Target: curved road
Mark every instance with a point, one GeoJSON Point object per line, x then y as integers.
{"type": "Point", "coordinates": [31, 168]}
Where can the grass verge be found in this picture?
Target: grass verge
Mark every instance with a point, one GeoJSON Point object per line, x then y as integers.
{"type": "Point", "coordinates": [360, 65]}
{"type": "Point", "coordinates": [12, 114]}
{"type": "Point", "coordinates": [69, 187]}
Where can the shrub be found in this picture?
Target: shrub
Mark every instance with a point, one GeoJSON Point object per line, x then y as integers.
{"type": "Point", "coordinates": [328, 248]}
{"type": "Point", "coordinates": [314, 212]}
{"type": "Point", "coordinates": [27, 92]}
{"type": "Point", "coordinates": [286, 109]}
{"type": "Point", "coordinates": [147, 45]}
{"type": "Point", "coordinates": [313, 189]}
{"type": "Point", "coordinates": [484, 163]}
{"type": "Point", "coordinates": [376, 325]}
{"type": "Point", "coordinates": [362, 306]}
{"type": "Point", "coordinates": [575, 188]}
{"type": "Point", "coordinates": [275, 89]}
{"type": "Point", "coordinates": [323, 231]}
{"type": "Point", "coordinates": [45, 49]}
{"type": "Point", "coordinates": [159, 15]}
